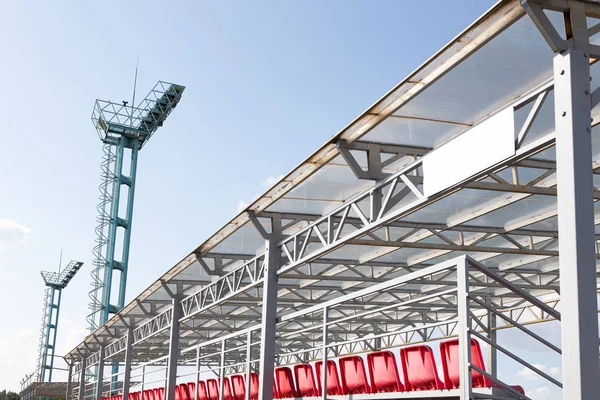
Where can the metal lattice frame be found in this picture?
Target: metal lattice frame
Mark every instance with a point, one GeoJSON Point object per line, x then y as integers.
{"type": "Point", "coordinates": [372, 272]}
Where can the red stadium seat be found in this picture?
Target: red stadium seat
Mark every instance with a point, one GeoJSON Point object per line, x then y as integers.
{"type": "Point", "coordinates": [451, 365]}
{"type": "Point", "coordinates": [227, 393]}
{"type": "Point", "coordinates": [147, 395]}
{"type": "Point", "coordinates": [161, 393]}
{"type": "Point", "coordinates": [420, 372]}
{"type": "Point", "coordinates": [254, 386]}
{"type": "Point", "coordinates": [179, 393]}
{"type": "Point", "coordinates": [202, 395]}
{"type": "Point", "coordinates": [156, 394]}
{"type": "Point", "coordinates": [333, 382]}
{"type": "Point", "coordinates": [383, 371]}
{"type": "Point", "coordinates": [238, 387]}
{"type": "Point", "coordinates": [353, 374]}
{"type": "Point", "coordinates": [212, 387]}
{"type": "Point", "coordinates": [285, 382]}
{"type": "Point", "coordinates": [305, 380]}
{"type": "Point", "coordinates": [191, 389]}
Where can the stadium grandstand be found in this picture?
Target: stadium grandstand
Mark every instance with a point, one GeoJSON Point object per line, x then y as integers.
{"type": "Point", "coordinates": [399, 252]}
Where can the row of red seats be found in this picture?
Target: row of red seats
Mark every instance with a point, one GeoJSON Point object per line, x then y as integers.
{"type": "Point", "coordinates": [418, 367]}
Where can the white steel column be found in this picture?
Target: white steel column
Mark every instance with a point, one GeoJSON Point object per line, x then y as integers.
{"type": "Point", "coordinates": [269, 314]}
{"type": "Point", "coordinates": [81, 394]}
{"type": "Point", "coordinates": [222, 371]}
{"type": "Point", "coordinates": [579, 317]}
{"type": "Point", "coordinates": [197, 391]}
{"type": "Point", "coordinates": [464, 325]}
{"type": "Point", "coordinates": [100, 376]}
{"type": "Point", "coordinates": [248, 365]}
{"type": "Point", "coordinates": [127, 366]}
{"type": "Point", "coordinates": [492, 335]}
{"type": "Point", "coordinates": [324, 369]}
{"type": "Point", "coordinates": [173, 349]}
{"type": "Point", "coordinates": [69, 379]}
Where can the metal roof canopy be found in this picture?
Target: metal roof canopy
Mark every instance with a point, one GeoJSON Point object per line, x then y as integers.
{"type": "Point", "coordinates": [459, 158]}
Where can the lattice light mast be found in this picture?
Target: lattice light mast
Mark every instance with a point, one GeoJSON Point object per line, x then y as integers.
{"type": "Point", "coordinates": [55, 283]}
{"type": "Point", "coordinates": [122, 129]}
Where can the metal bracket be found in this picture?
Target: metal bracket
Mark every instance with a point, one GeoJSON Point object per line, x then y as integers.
{"type": "Point", "coordinates": [254, 220]}
{"type": "Point", "coordinates": [374, 169]}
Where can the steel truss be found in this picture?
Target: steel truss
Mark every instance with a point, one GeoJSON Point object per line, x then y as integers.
{"type": "Point", "coordinates": [326, 285]}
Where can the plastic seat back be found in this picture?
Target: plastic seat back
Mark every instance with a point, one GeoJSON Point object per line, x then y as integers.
{"type": "Point", "coordinates": [212, 388]}
{"type": "Point", "coordinates": [191, 389]}
{"type": "Point", "coordinates": [238, 387]}
{"type": "Point", "coordinates": [147, 395]}
{"type": "Point", "coordinates": [254, 386]}
{"type": "Point", "coordinates": [333, 381]}
{"type": "Point", "coordinates": [227, 394]}
{"type": "Point", "coordinates": [156, 394]}
{"type": "Point", "coordinates": [179, 393]}
{"type": "Point", "coordinates": [451, 365]}
{"type": "Point", "coordinates": [202, 395]}
{"type": "Point", "coordinates": [420, 372]}
{"type": "Point", "coordinates": [285, 382]}
{"type": "Point", "coordinates": [161, 393]}
{"type": "Point", "coordinates": [185, 393]}
{"type": "Point", "coordinates": [353, 374]}
{"type": "Point", "coordinates": [383, 371]}
{"type": "Point", "coordinates": [305, 380]}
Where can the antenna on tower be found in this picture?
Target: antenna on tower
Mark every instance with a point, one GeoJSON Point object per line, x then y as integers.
{"type": "Point", "coordinates": [137, 61]}
{"type": "Point", "coordinates": [60, 259]}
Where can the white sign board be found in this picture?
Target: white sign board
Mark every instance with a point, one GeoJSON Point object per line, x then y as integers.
{"type": "Point", "coordinates": [481, 147]}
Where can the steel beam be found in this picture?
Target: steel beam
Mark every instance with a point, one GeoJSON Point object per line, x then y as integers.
{"type": "Point", "coordinates": [127, 364]}
{"type": "Point", "coordinates": [69, 378]}
{"type": "Point", "coordinates": [269, 319]}
{"type": "Point", "coordinates": [100, 375]}
{"type": "Point", "coordinates": [173, 349]}
{"type": "Point", "coordinates": [580, 366]}
{"type": "Point", "coordinates": [81, 393]}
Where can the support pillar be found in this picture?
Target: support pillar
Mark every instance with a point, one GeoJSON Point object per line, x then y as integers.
{"type": "Point", "coordinates": [69, 379]}
{"type": "Point", "coordinates": [464, 335]}
{"type": "Point", "coordinates": [81, 394]}
{"type": "Point", "coordinates": [127, 364]}
{"type": "Point", "coordinates": [269, 314]}
{"type": "Point", "coordinates": [100, 375]}
{"type": "Point", "coordinates": [173, 349]}
{"type": "Point", "coordinates": [197, 391]}
{"type": "Point", "coordinates": [248, 366]}
{"type": "Point", "coordinates": [222, 371]}
{"type": "Point", "coordinates": [579, 317]}
{"type": "Point", "coordinates": [492, 335]}
{"type": "Point", "coordinates": [324, 365]}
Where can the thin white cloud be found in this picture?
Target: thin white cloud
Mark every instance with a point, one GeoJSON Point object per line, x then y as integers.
{"type": "Point", "coordinates": [242, 204]}
{"type": "Point", "coordinates": [541, 393]}
{"type": "Point", "coordinates": [15, 362]}
{"type": "Point", "coordinates": [267, 183]}
{"type": "Point", "coordinates": [271, 180]}
{"type": "Point", "coordinates": [13, 234]}
{"type": "Point", "coordinates": [530, 375]}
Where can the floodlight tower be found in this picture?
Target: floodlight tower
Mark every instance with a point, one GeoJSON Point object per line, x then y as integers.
{"type": "Point", "coordinates": [55, 283]}
{"type": "Point", "coordinates": [122, 129]}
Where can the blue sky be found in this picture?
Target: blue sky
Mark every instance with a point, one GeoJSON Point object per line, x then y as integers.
{"type": "Point", "coordinates": [267, 82]}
